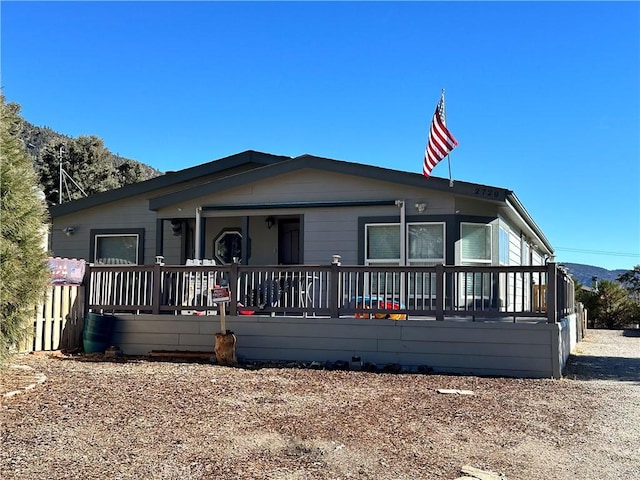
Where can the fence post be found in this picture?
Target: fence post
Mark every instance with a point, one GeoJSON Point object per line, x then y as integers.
{"type": "Point", "coordinates": [88, 290]}
{"type": "Point", "coordinates": [335, 287]}
{"type": "Point", "coordinates": [440, 293]}
{"type": "Point", "coordinates": [157, 285]}
{"type": "Point", "coordinates": [552, 292]}
{"type": "Point", "coordinates": [233, 289]}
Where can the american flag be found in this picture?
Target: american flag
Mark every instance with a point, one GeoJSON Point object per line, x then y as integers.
{"type": "Point", "coordinates": [440, 142]}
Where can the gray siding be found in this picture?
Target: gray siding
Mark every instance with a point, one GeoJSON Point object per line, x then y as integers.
{"type": "Point", "coordinates": [326, 231]}
{"type": "Point", "coordinates": [131, 213]}
{"type": "Point", "coordinates": [492, 348]}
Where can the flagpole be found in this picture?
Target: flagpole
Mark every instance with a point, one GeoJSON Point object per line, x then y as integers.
{"type": "Point", "coordinates": [439, 141]}
{"type": "Point", "coordinates": [444, 115]}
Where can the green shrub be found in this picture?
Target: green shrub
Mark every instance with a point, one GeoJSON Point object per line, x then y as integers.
{"type": "Point", "coordinates": [23, 269]}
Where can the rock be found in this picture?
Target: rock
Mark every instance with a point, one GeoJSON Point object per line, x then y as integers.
{"type": "Point", "coordinates": [477, 474]}
{"type": "Point", "coordinates": [454, 391]}
{"type": "Point", "coordinates": [339, 365]}
{"type": "Point", "coordinates": [392, 368]}
{"type": "Point", "coordinates": [369, 367]}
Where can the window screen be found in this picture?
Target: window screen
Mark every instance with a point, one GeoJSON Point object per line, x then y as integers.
{"type": "Point", "coordinates": [116, 249]}
{"type": "Point", "coordinates": [476, 243]}
{"type": "Point", "coordinates": [383, 242]}
{"type": "Point", "coordinates": [426, 243]}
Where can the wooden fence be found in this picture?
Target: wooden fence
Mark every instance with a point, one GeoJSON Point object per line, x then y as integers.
{"type": "Point", "coordinates": [59, 321]}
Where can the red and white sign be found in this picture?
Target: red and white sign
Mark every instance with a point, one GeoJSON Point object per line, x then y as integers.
{"type": "Point", "coordinates": [220, 294]}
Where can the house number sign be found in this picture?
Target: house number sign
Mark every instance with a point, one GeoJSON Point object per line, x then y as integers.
{"type": "Point", "coordinates": [488, 192]}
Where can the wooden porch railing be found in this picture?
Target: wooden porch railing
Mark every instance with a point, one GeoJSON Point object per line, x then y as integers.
{"type": "Point", "coordinates": [520, 292]}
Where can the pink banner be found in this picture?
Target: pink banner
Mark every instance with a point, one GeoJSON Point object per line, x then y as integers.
{"type": "Point", "coordinates": [66, 271]}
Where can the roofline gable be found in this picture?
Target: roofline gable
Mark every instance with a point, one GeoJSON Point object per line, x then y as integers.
{"type": "Point", "coordinates": [333, 166]}
{"type": "Point", "coordinates": [246, 158]}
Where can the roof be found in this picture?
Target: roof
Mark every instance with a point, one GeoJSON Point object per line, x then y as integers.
{"type": "Point", "coordinates": [248, 159]}
{"type": "Point", "coordinates": [250, 166]}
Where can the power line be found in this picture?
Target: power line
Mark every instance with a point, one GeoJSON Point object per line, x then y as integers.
{"type": "Point", "coordinates": [599, 252]}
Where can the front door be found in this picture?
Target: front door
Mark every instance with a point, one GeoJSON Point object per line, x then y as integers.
{"type": "Point", "coordinates": [289, 241]}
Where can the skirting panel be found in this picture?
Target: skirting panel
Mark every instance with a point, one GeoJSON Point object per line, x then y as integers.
{"type": "Point", "coordinates": [535, 350]}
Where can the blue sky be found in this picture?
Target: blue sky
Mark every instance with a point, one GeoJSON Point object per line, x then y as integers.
{"type": "Point", "coordinates": [543, 97]}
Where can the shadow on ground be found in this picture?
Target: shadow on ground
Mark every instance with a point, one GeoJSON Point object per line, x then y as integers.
{"type": "Point", "coordinates": [586, 367]}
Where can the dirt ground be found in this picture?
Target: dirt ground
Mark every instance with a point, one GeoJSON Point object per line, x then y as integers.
{"type": "Point", "coordinates": [91, 417]}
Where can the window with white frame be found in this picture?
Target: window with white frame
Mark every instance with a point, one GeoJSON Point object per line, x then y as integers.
{"type": "Point", "coordinates": [425, 247]}
{"type": "Point", "coordinates": [382, 244]}
{"type": "Point", "coordinates": [475, 249]}
{"type": "Point", "coordinates": [503, 246]}
{"type": "Point", "coordinates": [475, 243]}
{"type": "Point", "coordinates": [526, 254]}
{"type": "Point", "coordinates": [116, 249]}
{"type": "Point", "coordinates": [426, 244]}
{"type": "Point", "coordinates": [382, 248]}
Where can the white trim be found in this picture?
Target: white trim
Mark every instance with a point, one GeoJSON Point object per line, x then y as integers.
{"type": "Point", "coordinates": [477, 261]}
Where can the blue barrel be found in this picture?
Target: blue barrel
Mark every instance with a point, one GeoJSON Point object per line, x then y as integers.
{"type": "Point", "coordinates": [96, 335]}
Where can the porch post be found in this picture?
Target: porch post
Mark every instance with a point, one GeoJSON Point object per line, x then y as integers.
{"type": "Point", "coordinates": [198, 242]}
{"type": "Point", "coordinates": [157, 286]}
{"type": "Point", "coordinates": [245, 240]}
{"type": "Point", "coordinates": [552, 291]}
{"type": "Point", "coordinates": [334, 282]}
{"type": "Point", "coordinates": [403, 246]}
{"type": "Point", "coordinates": [403, 233]}
{"type": "Point", "coordinates": [440, 293]}
{"type": "Point", "coordinates": [159, 236]}
{"type": "Point", "coordinates": [233, 290]}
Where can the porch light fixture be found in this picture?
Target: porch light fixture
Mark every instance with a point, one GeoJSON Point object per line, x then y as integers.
{"type": "Point", "coordinates": [68, 231]}
{"type": "Point", "coordinates": [270, 222]}
{"type": "Point", "coordinates": [421, 207]}
{"type": "Point", "coordinates": [335, 259]}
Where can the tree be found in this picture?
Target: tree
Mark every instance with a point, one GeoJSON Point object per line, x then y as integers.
{"type": "Point", "coordinates": [88, 168]}
{"type": "Point", "coordinates": [631, 281]}
{"type": "Point", "coordinates": [610, 306]}
{"type": "Point", "coordinates": [23, 268]}
{"type": "Point", "coordinates": [129, 172]}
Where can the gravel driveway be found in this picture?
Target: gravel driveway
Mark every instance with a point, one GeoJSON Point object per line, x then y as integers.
{"type": "Point", "coordinates": [134, 418]}
{"type": "Point", "coordinates": [609, 360]}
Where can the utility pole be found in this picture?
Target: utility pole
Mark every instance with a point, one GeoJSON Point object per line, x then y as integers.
{"type": "Point", "coordinates": [60, 190]}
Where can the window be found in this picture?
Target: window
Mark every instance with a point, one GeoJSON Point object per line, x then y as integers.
{"type": "Point", "coordinates": [228, 246]}
{"type": "Point", "coordinates": [382, 244]}
{"type": "Point", "coordinates": [425, 247]}
{"type": "Point", "coordinates": [117, 247]}
{"type": "Point", "coordinates": [475, 250]}
{"type": "Point", "coordinates": [426, 244]}
{"type": "Point", "coordinates": [503, 247]}
{"type": "Point", "coordinates": [475, 243]}
{"type": "Point", "coordinates": [526, 254]}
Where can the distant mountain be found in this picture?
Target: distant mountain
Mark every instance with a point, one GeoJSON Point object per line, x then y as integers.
{"type": "Point", "coordinates": [585, 273]}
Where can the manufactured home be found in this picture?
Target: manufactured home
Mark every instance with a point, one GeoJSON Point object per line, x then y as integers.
{"type": "Point", "coordinates": [264, 209]}
{"type": "Point", "coordinates": [325, 260]}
